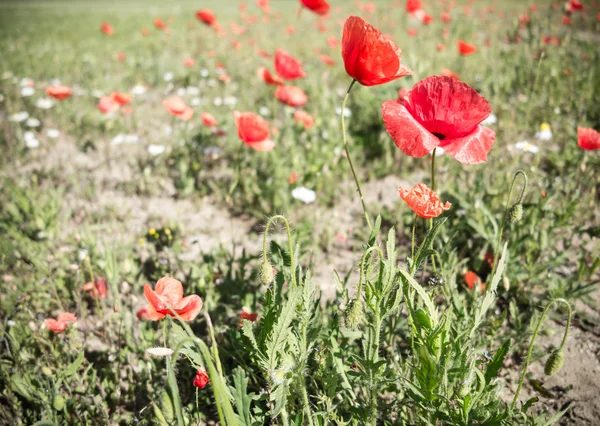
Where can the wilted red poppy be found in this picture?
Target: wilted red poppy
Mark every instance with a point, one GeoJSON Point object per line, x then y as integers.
{"type": "Point", "coordinates": [327, 60]}
{"type": "Point", "coordinates": [169, 295]}
{"type": "Point", "coordinates": [441, 111]}
{"type": "Point", "coordinates": [304, 118]}
{"type": "Point", "coordinates": [423, 201]}
{"type": "Point", "coordinates": [175, 105]}
{"type": "Point", "coordinates": [465, 48]}
{"type": "Point", "coordinates": [59, 92]}
{"type": "Point", "coordinates": [471, 279]}
{"type": "Point", "coordinates": [107, 104]}
{"type": "Point", "coordinates": [206, 16]}
{"type": "Point", "coordinates": [201, 379]}
{"type": "Point", "coordinates": [96, 289]}
{"type": "Point", "coordinates": [369, 57]}
{"type": "Point", "coordinates": [269, 78]}
{"type": "Point", "coordinates": [61, 322]}
{"type": "Point", "coordinates": [121, 98]}
{"type": "Point", "coordinates": [253, 130]}
{"type": "Point", "coordinates": [159, 24]}
{"type": "Point", "coordinates": [291, 95]}
{"type": "Point", "coordinates": [209, 120]}
{"type": "Point", "coordinates": [413, 5]}
{"type": "Point", "coordinates": [320, 7]}
{"type": "Point", "coordinates": [107, 29]}
{"type": "Point", "coordinates": [288, 67]}
{"type": "Point", "coordinates": [588, 139]}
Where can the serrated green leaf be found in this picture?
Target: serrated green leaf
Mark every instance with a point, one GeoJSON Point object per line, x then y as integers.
{"type": "Point", "coordinates": [496, 362]}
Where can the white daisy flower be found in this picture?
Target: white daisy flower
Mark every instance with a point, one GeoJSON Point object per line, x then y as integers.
{"type": "Point", "coordinates": [44, 103]}
{"type": "Point", "coordinates": [138, 90]}
{"type": "Point", "coordinates": [156, 149]}
{"type": "Point", "coordinates": [204, 73]}
{"type": "Point", "coordinates": [545, 133]}
{"type": "Point", "coordinates": [52, 133]}
{"type": "Point", "coordinates": [32, 122]}
{"type": "Point", "coordinates": [305, 195]}
{"type": "Point", "coordinates": [27, 91]}
{"type": "Point", "coordinates": [19, 117]}
{"type": "Point", "coordinates": [527, 147]}
{"type": "Point", "coordinates": [168, 76]}
{"type": "Point", "coordinates": [217, 101]}
{"type": "Point", "coordinates": [30, 140]}
{"type": "Point", "coordinates": [195, 102]}
{"type": "Point", "coordinates": [264, 111]}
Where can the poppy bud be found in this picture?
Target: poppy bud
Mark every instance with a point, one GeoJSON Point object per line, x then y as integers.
{"type": "Point", "coordinates": [422, 318]}
{"type": "Point", "coordinates": [59, 402]}
{"type": "Point", "coordinates": [515, 214]}
{"type": "Point", "coordinates": [266, 273]}
{"type": "Point", "coordinates": [554, 363]}
{"type": "Point", "coordinates": [353, 316]}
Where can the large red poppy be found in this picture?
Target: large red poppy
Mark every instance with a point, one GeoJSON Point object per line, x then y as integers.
{"type": "Point", "coordinates": [369, 57]}
{"type": "Point", "coordinates": [288, 67]}
{"type": "Point", "coordinates": [291, 95]}
{"type": "Point", "coordinates": [167, 296]}
{"type": "Point", "coordinates": [320, 7]}
{"type": "Point", "coordinates": [253, 130]}
{"type": "Point", "coordinates": [440, 111]}
{"type": "Point", "coordinates": [465, 48]}
{"type": "Point", "coordinates": [59, 92]}
{"type": "Point", "coordinates": [206, 16]}
{"type": "Point", "coordinates": [588, 139]}
{"type": "Point", "coordinates": [423, 201]}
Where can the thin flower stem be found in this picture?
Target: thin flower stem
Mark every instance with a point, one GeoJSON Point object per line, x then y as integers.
{"type": "Point", "coordinates": [535, 333]}
{"type": "Point", "coordinates": [362, 201]}
{"type": "Point", "coordinates": [412, 246]}
{"type": "Point", "coordinates": [433, 189]}
{"type": "Point", "coordinates": [290, 244]}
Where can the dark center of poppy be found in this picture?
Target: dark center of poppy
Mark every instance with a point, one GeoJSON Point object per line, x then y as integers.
{"type": "Point", "coordinates": [440, 136]}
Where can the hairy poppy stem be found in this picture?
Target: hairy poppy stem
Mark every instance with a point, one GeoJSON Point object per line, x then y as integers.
{"type": "Point", "coordinates": [535, 333]}
{"type": "Point", "coordinates": [433, 189]}
{"type": "Point", "coordinates": [362, 201]}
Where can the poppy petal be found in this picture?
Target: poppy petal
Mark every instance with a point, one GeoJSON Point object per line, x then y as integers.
{"type": "Point", "coordinates": [171, 289]}
{"type": "Point", "coordinates": [473, 148]}
{"type": "Point", "coordinates": [408, 135]}
{"type": "Point", "coordinates": [189, 307]}
{"type": "Point", "coordinates": [262, 146]}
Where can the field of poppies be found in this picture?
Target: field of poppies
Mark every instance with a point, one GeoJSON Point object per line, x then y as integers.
{"type": "Point", "coordinates": [300, 212]}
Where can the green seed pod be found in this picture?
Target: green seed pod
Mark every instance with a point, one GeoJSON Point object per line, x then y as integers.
{"type": "Point", "coordinates": [266, 273]}
{"type": "Point", "coordinates": [554, 363]}
{"type": "Point", "coordinates": [59, 402]}
{"type": "Point", "coordinates": [47, 371]}
{"type": "Point", "coordinates": [422, 319]}
{"type": "Point", "coordinates": [515, 214]}
{"type": "Point", "coordinates": [354, 316]}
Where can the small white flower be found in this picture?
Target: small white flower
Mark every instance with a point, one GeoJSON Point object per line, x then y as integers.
{"type": "Point", "coordinates": [159, 352]}
{"type": "Point", "coordinates": [545, 133]}
{"type": "Point", "coordinates": [218, 101]}
{"type": "Point", "coordinates": [138, 90]}
{"type": "Point", "coordinates": [52, 133]}
{"type": "Point", "coordinates": [19, 117]}
{"type": "Point", "coordinates": [55, 82]}
{"type": "Point", "coordinates": [305, 195]}
{"type": "Point", "coordinates": [168, 130]}
{"type": "Point", "coordinates": [11, 323]}
{"type": "Point", "coordinates": [117, 140]}
{"type": "Point", "coordinates": [325, 134]}
{"type": "Point", "coordinates": [204, 73]}
{"type": "Point", "coordinates": [211, 82]}
{"type": "Point", "coordinates": [180, 92]}
{"type": "Point", "coordinates": [195, 102]}
{"type": "Point", "coordinates": [347, 112]}
{"type": "Point", "coordinates": [230, 100]}
{"type": "Point", "coordinates": [82, 254]}
{"type": "Point", "coordinates": [27, 91]}
{"type": "Point", "coordinates": [32, 122]}
{"type": "Point", "coordinates": [491, 119]}
{"type": "Point", "coordinates": [192, 91]}
{"type": "Point", "coordinates": [44, 103]}
{"type": "Point", "coordinates": [156, 149]}
{"type": "Point", "coordinates": [264, 111]}
{"type": "Point", "coordinates": [527, 147]}
{"type": "Point", "coordinates": [168, 76]}
{"type": "Point", "coordinates": [30, 140]}
{"type": "Point", "coordinates": [26, 82]}
{"type": "Point", "coordinates": [131, 138]}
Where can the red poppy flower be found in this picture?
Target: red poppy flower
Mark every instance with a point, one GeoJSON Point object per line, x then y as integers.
{"type": "Point", "coordinates": [248, 316]}
{"type": "Point", "coordinates": [446, 17]}
{"type": "Point", "coordinates": [142, 313]}
{"type": "Point", "coordinates": [209, 120]}
{"type": "Point", "coordinates": [175, 105]}
{"type": "Point", "coordinates": [121, 57]}
{"type": "Point", "coordinates": [206, 16]}
{"type": "Point", "coordinates": [291, 95]}
{"type": "Point", "coordinates": [288, 67]}
{"type": "Point", "coordinates": [169, 295]}
{"type": "Point", "coordinates": [369, 57]}
{"type": "Point", "coordinates": [293, 178]}
{"type": "Point", "coordinates": [107, 104]}
{"type": "Point", "coordinates": [465, 48]}
{"type": "Point", "coordinates": [448, 73]}
{"type": "Point", "coordinates": [573, 6]}
{"type": "Point", "coordinates": [327, 60]}
{"type": "Point", "coordinates": [320, 7]}
{"type": "Point", "coordinates": [566, 20]}
{"type": "Point", "coordinates": [59, 92]}
{"type": "Point", "coordinates": [588, 139]}
{"type": "Point", "coordinates": [121, 98]}
{"type": "Point", "coordinates": [96, 289]}
{"type": "Point", "coordinates": [440, 47]}
{"type": "Point", "coordinates": [413, 5]}
{"type": "Point", "coordinates": [304, 118]}
{"type": "Point", "coordinates": [189, 62]}
{"type": "Point", "coordinates": [269, 78]}
{"type": "Point", "coordinates": [332, 42]}
{"type": "Point", "coordinates": [201, 379]}
{"type": "Point", "coordinates": [441, 111]}
{"type": "Point", "coordinates": [423, 201]}
{"type": "Point", "coordinates": [253, 130]}
{"type": "Point", "coordinates": [471, 278]}
{"type": "Point", "coordinates": [159, 24]}
{"type": "Point", "coordinates": [107, 29]}
{"type": "Point", "coordinates": [145, 32]}
{"type": "Point", "coordinates": [61, 322]}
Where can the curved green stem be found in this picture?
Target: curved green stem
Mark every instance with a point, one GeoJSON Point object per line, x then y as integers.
{"type": "Point", "coordinates": [290, 244]}
{"type": "Point", "coordinates": [506, 209]}
{"type": "Point", "coordinates": [535, 333]}
{"type": "Point", "coordinates": [362, 201]}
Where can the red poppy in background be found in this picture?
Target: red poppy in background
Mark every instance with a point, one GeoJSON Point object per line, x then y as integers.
{"type": "Point", "coordinates": [369, 57]}
{"type": "Point", "coordinates": [465, 48]}
{"type": "Point", "coordinates": [413, 5]}
{"type": "Point", "coordinates": [588, 139]}
{"type": "Point", "coordinates": [288, 67]}
{"type": "Point", "coordinates": [253, 130]}
{"type": "Point", "coordinates": [333, 42]}
{"type": "Point", "coordinates": [96, 289]}
{"type": "Point", "coordinates": [291, 95]}
{"type": "Point", "coordinates": [168, 295]}
{"type": "Point", "coordinates": [471, 278]}
{"type": "Point", "coordinates": [248, 316]}
{"type": "Point", "coordinates": [320, 7]}
{"type": "Point", "coordinates": [206, 16]}
{"type": "Point", "coordinates": [121, 98]}
{"type": "Point", "coordinates": [446, 17]}
{"type": "Point", "coordinates": [269, 78]}
{"type": "Point", "coordinates": [441, 111]}
{"type": "Point", "coordinates": [61, 322]}
{"type": "Point", "coordinates": [121, 57]}
{"type": "Point", "coordinates": [107, 104]}
{"type": "Point", "coordinates": [304, 118]}
{"type": "Point", "coordinates": [201, 378]}
{"type": "Point", "coordinates": [208, 120]}
{"type": "Point", "coordinates": [327, 60]}
{"type": "Point", "coordinates": [159, 24]}
{"type": "Point", "coordinates": [448, 73]}
{"type": "Point", "coordinates": [573, 6]}
{"type": "Point", "coordinates": [174, 105]}
{"type": "Point", "coordinates": [107, 29]}
{"type": "Point", "coordinates": [189, 62]}
{"type": "Point", "coordinates": [59, 92]}
{"type": "Point", "coordinates": [566, 20]}
{"type": "Point", "coordinates": [423, 201]}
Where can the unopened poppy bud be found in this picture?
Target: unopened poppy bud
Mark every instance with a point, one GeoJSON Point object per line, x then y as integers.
{"type": "Point", "coordinates": [515, 214]}
{"type": "Point", "coordinates": [422, 318]}
{"type": "Point", "coordinates": [353, 316]}
{"type": "Point", "coordinates": [58, 403]}
{"type": "Point", "coordinates": [554, 363]}
{"type": "Point", "coordinates": [266, 273]}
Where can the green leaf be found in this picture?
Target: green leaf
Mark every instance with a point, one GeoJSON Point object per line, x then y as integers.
{"type": "Point", "coordinates": [431, 309]}
{"type": "Point", "coordinates": [496, 363]}
{"type": "Point", "coordinates": [241, 396]}
{"type": "Point", "coordinates": [73, 367]}
{"type": "Point", "coordinates": [276, 341]}
{"type": "Point", "coordinates": [427, 243]}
